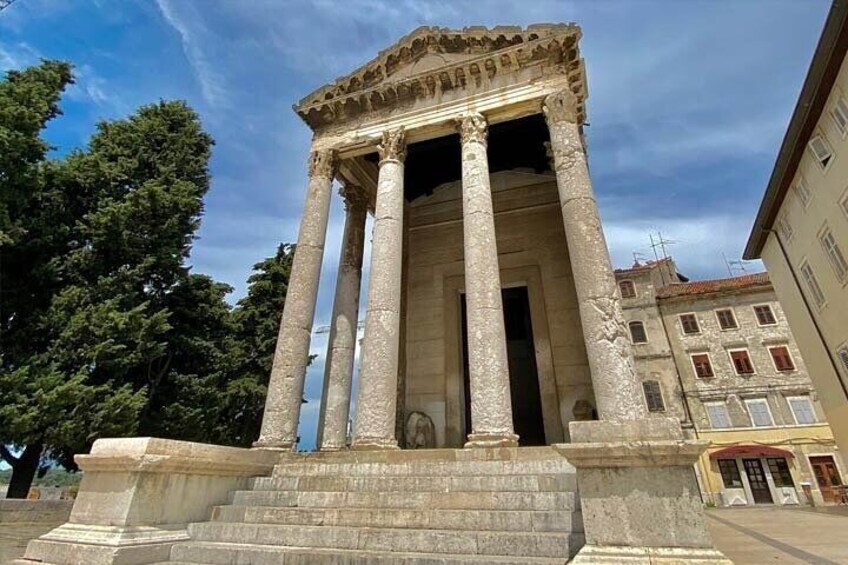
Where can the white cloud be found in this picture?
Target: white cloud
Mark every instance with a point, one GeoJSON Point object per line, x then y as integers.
{"type": "Point", "coordinates": [212, 84]}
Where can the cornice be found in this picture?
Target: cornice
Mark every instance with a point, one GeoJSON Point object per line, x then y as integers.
{"type": "Point", "coordinates": [378, 86]}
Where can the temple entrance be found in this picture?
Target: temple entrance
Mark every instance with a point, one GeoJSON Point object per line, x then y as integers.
{"type": "Point", "coordinates": [523, 375]}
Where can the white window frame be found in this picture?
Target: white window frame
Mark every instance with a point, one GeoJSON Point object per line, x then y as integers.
{"type": "Point", "coordinates": [819, 136]}
{"type": "Point", "coordinates": [812, 283]}
{"type": "Point", "coordinates": [809, 400]}
{"type": "Point", "coordinates": [785, 227]}
{"type": "Point", "coordinates": [697, 321]}
{"type": "Point", "coordinates": [723, 404]}
{"type": "Point", "coordinates": [630, 331]}
{"type": "Point", "coordinates": [763, 400]}
{"type": "Point", "coordinates": [803, 192]}
{"type": "Point", "coordinates": [826, 232]}
{"type": "Point", "coordinates": [635, 292]}
{"type": "Point", "coordinates": [773, 315]}
{"type": "Point", "coordinates": [732, 313]}
{"type": "Point", "coordinates": [695, 369]}
{"type": "Point", "coordinates": [840, 107]}
{"type": "Point", "coordinates": [788, 352]}
{"type": "Point", "coordinates": [733, 365]}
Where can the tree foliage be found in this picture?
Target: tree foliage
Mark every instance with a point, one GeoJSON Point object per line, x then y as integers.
{"type": "Point", "coordinates": [105, 331]}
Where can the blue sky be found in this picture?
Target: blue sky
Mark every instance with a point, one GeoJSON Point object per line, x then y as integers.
{"type": "Point", "coordinates": [688, 104]}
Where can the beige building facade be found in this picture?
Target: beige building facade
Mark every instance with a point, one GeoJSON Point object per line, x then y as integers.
{"type": "Point", "coordinates": [720, 356]}
{"type": "Point", "coordinates": [801, 229]}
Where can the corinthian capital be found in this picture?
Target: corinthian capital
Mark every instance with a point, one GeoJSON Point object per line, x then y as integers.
{"type": "Point", "coordinates": [354, 196]}
{"type": "Point", "coordinates": [393, 145]}
{"type": "Point", "coordinates": [323, 164]}
{"type": "Point", "coordinates": [561, 106]}
{"type": "Point", "coordinates": [473, 127]}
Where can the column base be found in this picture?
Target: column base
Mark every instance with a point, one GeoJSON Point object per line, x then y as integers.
{"type": "Point", "coordinates": [374, 444]}
{"type": "Point", "coordinates": [273, 446]}
{"type": "Point", "coordinates": [639, 494]}
{"type": "Point", "coordinates": [613, 555]}
{"type": "Point", "coordinates": [332, 448]}
{"type": "Point", "coordinates": [491, 440]}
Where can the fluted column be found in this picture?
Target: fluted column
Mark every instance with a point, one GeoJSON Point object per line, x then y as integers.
{"type": "Point", "coordinates": [291, 356]}
{"type": "Point", "coordinates": [491, 405]}
{"type": "Point", "coordinates": [335, 401]}
{"type": "Point", "coordinates": [376, 400]}
{"type": "Point", "coordinates": [614, 379]}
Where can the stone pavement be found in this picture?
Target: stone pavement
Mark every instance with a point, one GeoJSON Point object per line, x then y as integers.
{"type": "Point", "coordinates": [770, 534]}
{"type": "Point", "coordinates": [14, 537]}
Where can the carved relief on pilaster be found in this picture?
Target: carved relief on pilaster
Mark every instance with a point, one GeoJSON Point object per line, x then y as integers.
{"type": "Point", "coordinates": [561, 106]}
{"type": "Point", "coordinates": [393, 145]}
{"type": "Point", "coordinates": [323, 164]}
{"type": "Point", "coordinates": [354, 197]}
{"type": "Point", "coordinates": [473, 128]}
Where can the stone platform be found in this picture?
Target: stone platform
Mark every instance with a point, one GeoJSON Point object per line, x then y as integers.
{"type": "Point", "coordinates": [446, 507]}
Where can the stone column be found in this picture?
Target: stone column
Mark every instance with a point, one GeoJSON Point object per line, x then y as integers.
{"type": "Point", "coordinates": [638, 492]}
{"type": "Point", "coordinates": [617, 390]}
{"type": "Point", "coordinates": [491, 405]}
{"type": "Point", "coordinates": [335, 401]}
{"type": "Point", "coordinates": [285, 389]}
{"type": "Point", "coordinates": [376, 400]}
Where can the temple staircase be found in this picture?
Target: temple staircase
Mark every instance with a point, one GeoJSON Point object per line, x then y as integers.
{"type": "Point", "coordinates": [445, 507]}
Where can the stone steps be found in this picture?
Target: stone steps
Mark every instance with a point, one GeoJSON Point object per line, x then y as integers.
{"type": "Point", "coordinates": [217, 553]}
{"type": "Point", "coordinates": [441, 519]}
{"type": "Point", "coordinates": [495, 543]}
{"type": "Point", "coordinates": [433, 507]}
{"type": "Point", "coordinates": [413, 500]}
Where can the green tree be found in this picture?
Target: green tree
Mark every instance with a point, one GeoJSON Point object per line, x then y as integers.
{"type": "Point", "coordinates": [256, 320]}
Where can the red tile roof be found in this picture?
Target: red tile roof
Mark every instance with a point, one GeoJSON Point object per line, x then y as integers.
{"type": "Point", "coordinates": [714, 285]}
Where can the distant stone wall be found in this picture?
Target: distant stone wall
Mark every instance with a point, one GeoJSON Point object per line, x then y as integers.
{"type": "Point", "coordinates": [47, 512]}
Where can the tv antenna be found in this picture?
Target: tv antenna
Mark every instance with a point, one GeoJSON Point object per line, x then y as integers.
{"type": "Point", "coordinates": [660, 243]}
{"type": "Point", "coordinates": [734, 266]}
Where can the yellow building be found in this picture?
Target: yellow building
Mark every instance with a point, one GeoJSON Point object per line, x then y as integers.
{"type": "Point", "coordinates": [801, 229]}
{"type": "Point", "coordinates": [720, 356]}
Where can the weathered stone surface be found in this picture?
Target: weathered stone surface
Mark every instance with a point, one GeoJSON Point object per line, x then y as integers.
{"type": "Point", "coordinates": [285, 389]}
{"type": "Point", "coordinates": [491, 409]}
{"type": "Point", "coordinates": [614, 379]}
{"type": "Point", "coordinates": [341, 351]}
{"type": "Point", "coordinates": [374, 425]}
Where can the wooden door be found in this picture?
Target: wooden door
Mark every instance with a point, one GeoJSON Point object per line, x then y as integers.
{"type": "Point", "coordinates": [827, 476]}
{"type": "Point", "coordinates": [757, 479]}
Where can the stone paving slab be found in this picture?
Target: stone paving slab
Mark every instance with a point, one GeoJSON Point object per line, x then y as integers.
{"type": "Point", "coordinates": [14, 538]}
{"type": "Point", "coordinates": [768, 534]}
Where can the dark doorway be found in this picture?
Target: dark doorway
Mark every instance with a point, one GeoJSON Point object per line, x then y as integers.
{"type": "Point", "coordinates": [523, 376]}
{"type": "Point", "coordinates": [757, 480]}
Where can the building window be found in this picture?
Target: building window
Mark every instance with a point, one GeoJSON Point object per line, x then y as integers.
{"type": "Point", "coordinates": [812, 284]}
{"type": "Point", "coordinates": [742, 362]}
{"type": "Point", "coordinates": [653, 396]}
{"type": "Point", "coordinates": [637, 332]}
{"type": "Point", "coordinates": [765, 317]}
{"type": "Point", "coordinates": [718, 415]}
{"type": "Point", "coordinates": [759, 411]}
{"type": "Point", "coordinates": [628, 289]}
{"type": "Point", "coordinates": [689, 323]}
{"type": "Point", "coordinates": [782, 359]}
{"type": "Point", "coordinates": [785, 228]}
{"type": "Point", "coordinates": [834, 254]}
{"type": "Point", "coordinates": [839, 113]}
{"type": "Point", "coordinates": [803, 192]}
{"type": "Point", "coordinates": [703, 366]}
{"type": "Point", "coordinates": [729, 473]}
{"type": "Point", "coordinates": [726, 319]}
{"type": "Point", "coordinates": [842, 352]}
{"type": "Point", "coordinates": [802, 409]}
{"type": "Point", "coordinates": [780, 472]}
{"type": "Point", "coordinates": [821, 150]}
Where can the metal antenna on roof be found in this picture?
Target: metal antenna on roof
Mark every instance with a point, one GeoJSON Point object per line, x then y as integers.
{"type": "Point", "coordinates": [638, 258]}
{"type": "Point", "coordinates": [734, 266]}
{"type": "Point", "coordinates": [661, 244]}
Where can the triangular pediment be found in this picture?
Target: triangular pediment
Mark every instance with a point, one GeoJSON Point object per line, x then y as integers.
{"type": "Point", "coordinates": [431, 59]}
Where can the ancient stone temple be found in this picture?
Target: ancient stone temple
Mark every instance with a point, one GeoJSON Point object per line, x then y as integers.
{"type": "Point", "coordinates": [493, 336]}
